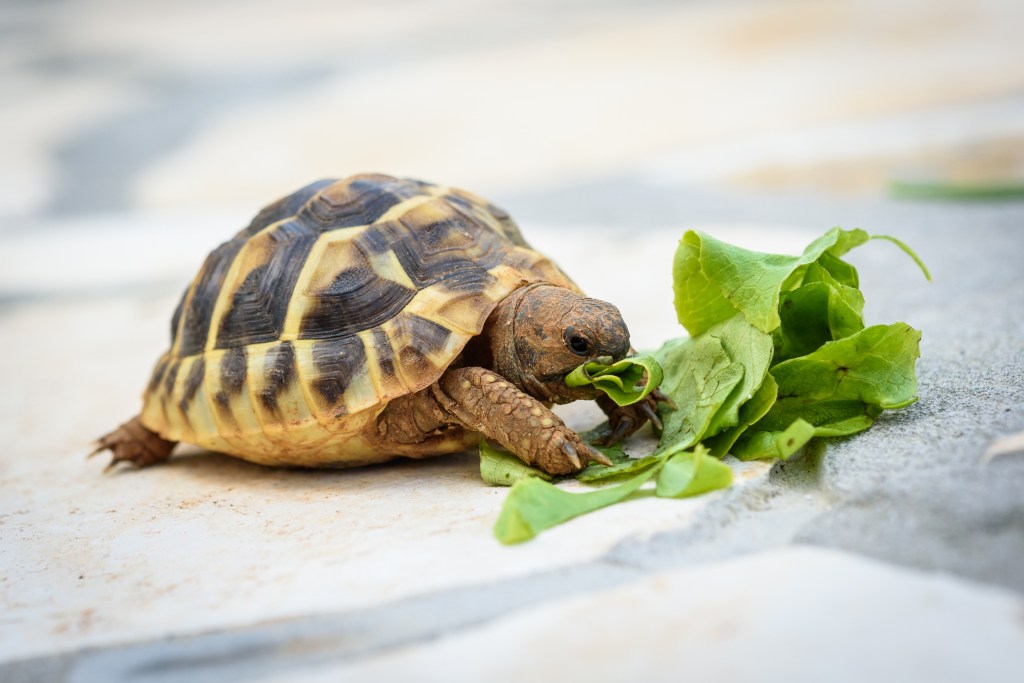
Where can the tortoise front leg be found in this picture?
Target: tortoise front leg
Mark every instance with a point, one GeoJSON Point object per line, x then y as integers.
{"type": "Point", "coordinates": [625, 420]}
{"type": "Point", "coordinates": [485, 402]}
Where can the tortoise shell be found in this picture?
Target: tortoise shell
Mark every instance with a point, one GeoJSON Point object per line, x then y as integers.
{"type": "Point", "coordinates": [335, 300]}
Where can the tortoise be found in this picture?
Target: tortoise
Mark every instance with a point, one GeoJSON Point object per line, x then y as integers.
{"type": "Point", "coordinates": [358, 320]}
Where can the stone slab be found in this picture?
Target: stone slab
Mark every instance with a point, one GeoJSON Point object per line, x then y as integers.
{"type": "Point", "coordinates": [208, 543]}
{"type": "Point", "coordinates": [790, 615]}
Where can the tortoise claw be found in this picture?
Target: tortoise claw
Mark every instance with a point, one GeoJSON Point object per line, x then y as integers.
{"type": "Point", "coordinates": [598, 456]}
{"type": "Point", "coordinates": [100, 447]}
{"type": "Point", "coordinates": [571, 454]}
{"type": "Point", "coordinates": [618, 432]}
{"type": "Point", "coordinates": [651, 415]}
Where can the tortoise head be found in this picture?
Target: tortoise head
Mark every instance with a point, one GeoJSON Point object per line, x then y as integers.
{"type": "Point", "coordinates": [547, 332]}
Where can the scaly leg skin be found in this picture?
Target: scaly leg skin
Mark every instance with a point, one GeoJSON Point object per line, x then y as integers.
{"type": "Point", "coordinates": [485, 402]}
{"type": "Point", "coordinates": [132, 442]}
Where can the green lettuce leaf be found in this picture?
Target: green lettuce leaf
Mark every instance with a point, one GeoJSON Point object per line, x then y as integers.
{"type": "Point", "coordinates": [625, 382]}
{"type": "Point", "coordinates": [756, 444]}
{"type": "Point", "coordinates": [691, 473]}
{"type": "Point", "coordinates": [534, 505]}
{"type": "Point", "coordinates": [733, 301]}
{"type": "Point", "coordinates": [750, 412]}
{"type": "Point", "coordinates": [714, 280]}
{"type": "Point", "coordinates": [699, 379]}
{"type": "Point", "coordinates": [875, 365]}
{"type": "Point", "coordinates": [838, 273]}
{"type": "Point", "coordinates": [498, 467]}
{"type": "Point", "coordinates": [812, 315]}
{"type": "Point", "coordinates": [699, 300]}
{"type": "Point", "coordinates": [751, 348]}
{"type": "Point", "coordinates": [829, 418]}
{"type": "Point", "coordinates": [709, 377]}
{"type": "Point", "coordinates": [620, 469]}
{"type": "Point", "coordinates": [837, 390]}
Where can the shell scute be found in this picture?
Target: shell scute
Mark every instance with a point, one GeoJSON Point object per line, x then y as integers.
{"type": "Point", "coordinates": [199, 301]}
{"type": "Point", "coordinates": [283, 208]}
{"type": "Point", "coordinates": [254, 301]}
{"type": "Point", "coordinates": [349, 300]}
{"type": "Point", "coordinates": [360, 200]}
{"type": "Point", "coordinates": [337, 363]}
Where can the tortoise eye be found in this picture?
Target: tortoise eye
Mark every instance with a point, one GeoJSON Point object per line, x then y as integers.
{"type": "Point", "coordinates": [579, 345]}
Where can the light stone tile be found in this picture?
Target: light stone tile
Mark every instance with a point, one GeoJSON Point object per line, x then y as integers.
{"type": "Point", "coordinates": [790, 615]}
{"type": "Point", "coordinates": [207, 542]}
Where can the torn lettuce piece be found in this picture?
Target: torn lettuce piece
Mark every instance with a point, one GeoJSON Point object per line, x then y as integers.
{"type": "Point", "coordinates": [699, 378]}
{"type": "Point", "coordinates": [691, 473]}
{"type": "Point", "coordinates": [829, 418]}
{"type": "Point", "coordinates": [754, 350]}
{"type": "Point", "coordinates": [750, 412]}
{"type": "Point", "coordinates": [812, 315]}
{"type": "Point", "coordinates": [838, 390]}
{"type": "Point", "coordinates": [875, 365]}
{"type": "Point", "coordinates": [713, 280]}
{"type": "Point", "coordinates": [709, 377]}
{"type": "Point", "coordinates": [841, 275]}
{"type": "Point", "coordinates": [624, 382]}
{"type": "Point", "coordinates": [732, 279]}
{"type": "Point", "coordinates": [534, 505]}
{"type": "Point", "coordinates": [626, 467]}
{"type": "Point", "coordinates": [498, 467]}
{"type": "Point", "coordinates": [757, 444]}
{"type": "Point", "coordinates": [699, 301]}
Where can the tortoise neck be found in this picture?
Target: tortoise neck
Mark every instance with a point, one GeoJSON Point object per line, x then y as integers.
{"type": "Point", "coordinates": [501, 334]}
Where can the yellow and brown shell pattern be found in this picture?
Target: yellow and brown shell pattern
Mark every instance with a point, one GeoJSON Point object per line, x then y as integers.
{"type": "Point", "coordinates": [335, 300]}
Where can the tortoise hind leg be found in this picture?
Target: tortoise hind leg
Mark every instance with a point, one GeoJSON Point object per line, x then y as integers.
{"type": "Point", "coordinates": [132, 442]}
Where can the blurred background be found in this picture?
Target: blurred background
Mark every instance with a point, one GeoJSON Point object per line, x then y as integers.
{"type": "Point", "coordinates": [110, 105]}
{"type": "Point", "coordinates": [140, 135]}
